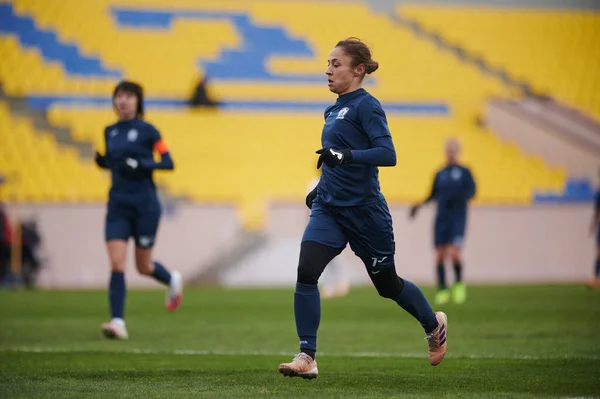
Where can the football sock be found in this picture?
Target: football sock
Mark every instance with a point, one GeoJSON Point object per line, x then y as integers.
{"type": "Point", "coordinates": [160, 273]}
{"type": "Point", "coordinates": [412, 300]}
{"type": "Point", "coordinates": [441, 276]}
{"type": "Point", "coordinates": [458, 271]}
{"type": "Point", "coordinates": [307, 311]}
{"type": "Point", "coordinates": [597, 268]}
{"type": "Point", "coordinates": [116, 294]}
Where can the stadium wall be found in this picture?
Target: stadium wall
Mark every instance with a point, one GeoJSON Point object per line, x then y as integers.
{"type": "Point", "coordinates": [73, 242]}
{"type": "Point", "coordinates": [542, 243]}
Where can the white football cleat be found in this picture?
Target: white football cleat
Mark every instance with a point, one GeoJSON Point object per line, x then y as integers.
{"type": "Point", "coordinates": [302, 366]}
{"type": "Point", "coordinates": [115, 329]}
{"type": "Point", "coordinates": [174, 292]}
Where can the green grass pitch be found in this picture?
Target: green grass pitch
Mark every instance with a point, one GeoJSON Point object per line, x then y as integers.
{"type": "Point", "coordinates": [506, 341]}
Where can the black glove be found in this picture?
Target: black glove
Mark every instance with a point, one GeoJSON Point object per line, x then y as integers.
{"type": "Point", "coordinates": [100, 160]}
{"type": "Point", "coordinates": [413, 210]}
{"type": "Point", "coordinates": [333, 157]}
{"type": "Point", "coordinates": [130, 167]}
{"type": "Point", "coordinates": [311, 197]}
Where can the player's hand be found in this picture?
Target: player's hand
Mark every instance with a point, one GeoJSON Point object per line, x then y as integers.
{"type": "Point", "coordinates": [311, 197]}
{"type": "Point", "coordinates": [413, 210]}
{"type": "Point", "coordinates": [334, 157]}
{"type": "Point", "coordinates": [100, 160]}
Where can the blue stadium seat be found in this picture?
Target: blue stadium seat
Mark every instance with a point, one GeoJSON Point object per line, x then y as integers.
{"type": "Point", "coordinates": [46, 41]}
{"type": "Point", "coordinates": [259, 44]}
{"type": "Point", "coordinates": [576, 190]}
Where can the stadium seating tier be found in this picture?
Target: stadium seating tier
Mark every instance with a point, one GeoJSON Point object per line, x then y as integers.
{"type": "Point", "coordinates": [273, 53]}
{"type": "Point", "coordinates": [555, 50]}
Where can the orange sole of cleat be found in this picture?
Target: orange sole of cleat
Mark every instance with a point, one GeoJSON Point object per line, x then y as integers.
{"type": "Point", "coordinates": [287, 372]}
{"type": "Point", "coordinates": [435, 364]}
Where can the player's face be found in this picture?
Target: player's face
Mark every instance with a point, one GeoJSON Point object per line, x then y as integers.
{"type": "Point", "coordinates": [452, 151]}
{"type": "Point", "coordinates": [125, 103]}
{"type": "Point", "coordinates": [342, 78]}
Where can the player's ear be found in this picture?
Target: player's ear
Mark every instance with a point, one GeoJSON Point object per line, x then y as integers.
{"type": "Point", "coordinates": [359, 70]}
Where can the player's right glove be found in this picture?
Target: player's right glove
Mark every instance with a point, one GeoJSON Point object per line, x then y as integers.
{"type": "Point", "coordinates": [333, 157]}
{"type": "Point", "coordinates": [413, 210]}
{"type": "Point", "coordinates": [100, 160]}
{"type": "Point", "coordinates": [311, 197]}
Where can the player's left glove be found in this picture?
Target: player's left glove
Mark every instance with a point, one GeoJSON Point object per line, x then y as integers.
{"type": "Point", "coordinates": [130, 167]}
{"type": "Point", "coordinates": [333, 157]}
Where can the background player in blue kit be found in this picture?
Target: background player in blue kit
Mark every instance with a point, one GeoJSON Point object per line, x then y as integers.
{"type": "Point", "coordinates": [595, 229]}
{"type": "Point", "coordinates": [133, 206]}
{"type": "Point", "coordinates": [452, 189]}
{"type": "Point", "coordinates": [348, 207]}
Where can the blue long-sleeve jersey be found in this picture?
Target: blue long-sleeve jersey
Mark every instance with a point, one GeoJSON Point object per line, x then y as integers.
{"type": "Point", "coordinates": [139, 140]}
{"type": "Point", "coordinates": [452, 188]}
{"type": "Point", "coordinates": [357, 122]}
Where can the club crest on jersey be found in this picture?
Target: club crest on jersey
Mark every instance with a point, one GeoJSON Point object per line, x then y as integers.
{"type": "Point", "coordinates": [132, 135]}
{"type": "Point", "coordinates": [342, 113]}
{"type": "Point", "coordinates": [455, 174]}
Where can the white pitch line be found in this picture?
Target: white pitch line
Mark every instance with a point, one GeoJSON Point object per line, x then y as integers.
{"type": "Point", "coordinates": [200, 352]}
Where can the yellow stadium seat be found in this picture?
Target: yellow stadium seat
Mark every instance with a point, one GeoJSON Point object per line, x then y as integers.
{"type": "Point", "coordinates": [38, 169]}
{"type": "Point", "coordinates": [200, 140]}
{"type": "Point", "coordinates": [555, 50]}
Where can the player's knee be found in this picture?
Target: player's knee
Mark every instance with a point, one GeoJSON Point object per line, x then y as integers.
{"type": "Point", "coordinates": [117, 264]}
{"type": "Point", "coordinates": [389, 285]}
{"type": "Point", "coordinates": [309, 268]}
{"type": "Point", "coordinates": [143, 262]}
{"type": "Point", "coordinates": [117, 254]}
{"type": "Point", "coordinates": [144, 267]}
{"type": "Point", "coordinates": [387, 292]}
{"type": "Point", "coordinates": [455, 254]}
{"type": "Point", "coordinates": [439, 257]}
{"type": "Point", "coordinates": [307, 273]}
{"type": "Point", "coordinates": [117, 260]}
{"type": "Point", "coordinates": [314, 257]}
{"type": "Point", "coordinates": [440, 253]}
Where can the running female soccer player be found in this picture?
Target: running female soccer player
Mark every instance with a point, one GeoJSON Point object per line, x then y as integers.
{"type": "Point", "coordinates": [349, 208]}
{"type": "Point", "coordinates": [133, 206]}
{"type": "Point", "coordinates": [452, 189]}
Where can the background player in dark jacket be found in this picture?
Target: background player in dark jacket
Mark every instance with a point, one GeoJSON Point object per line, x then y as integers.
{"type": "Point", "coordinates": [348, 207]}
{"type": "Point", "coordinates": [452, 189]}
{"type": "Point", "coordinates": [595, 229]}
{"type": "Point", "coordinates": [133, 206]}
